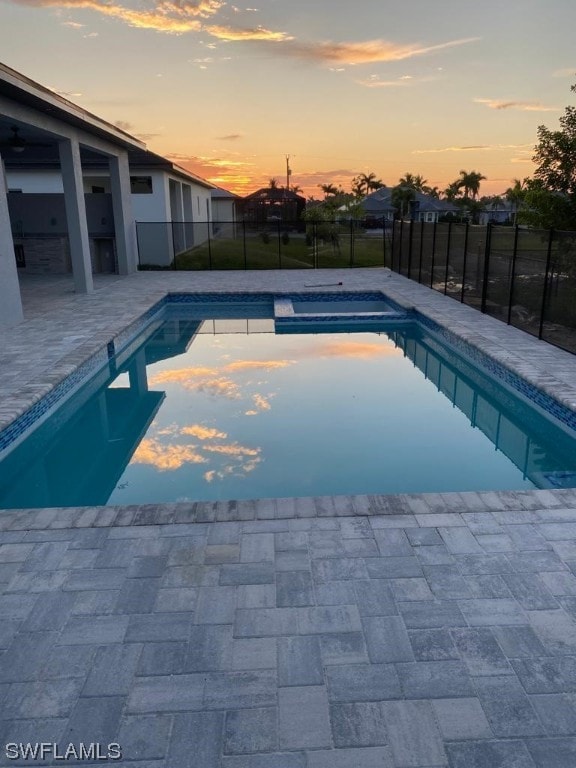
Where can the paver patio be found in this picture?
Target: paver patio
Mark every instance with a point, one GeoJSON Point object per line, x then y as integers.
{"type": "Point", "coordinates": [304, 641]}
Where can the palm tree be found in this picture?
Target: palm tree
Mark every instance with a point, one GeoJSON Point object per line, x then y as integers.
{"type": "Point", "coordinates": [365, 183]}
{"type": "Point", "coordinates": [296, 189]}
{"type": "Point", "coordinates": [452, 191]}
{"type": "Point", "coordinates": [401, 198]}
{"type": "Point", "coordinates": [469, 181]}
{"type": "Point", "coordinates": [515, 195]}
{"type": "Point", "coordinates": [273, 184]}
{"type": "Point", "coordinates": [411, 181]}
{"type": "Point", "coordinates": [329, 189]}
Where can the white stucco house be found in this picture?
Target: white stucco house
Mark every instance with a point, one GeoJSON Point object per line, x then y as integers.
{"type": "Point", "coordinates": [172, 209]}
{"type": "Point", "coordinates": [34, 119]}
{"type": "Point", "coordinates": [79, 195]}
{"type": "Point", "coordinates": [224, 205]}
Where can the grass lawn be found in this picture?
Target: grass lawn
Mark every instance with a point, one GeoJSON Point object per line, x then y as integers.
{"type": "Point", "coordinates": [229, 253]}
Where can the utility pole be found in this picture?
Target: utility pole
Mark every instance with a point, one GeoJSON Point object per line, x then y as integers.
{"type": "Point", "coordinates": [288, 172]}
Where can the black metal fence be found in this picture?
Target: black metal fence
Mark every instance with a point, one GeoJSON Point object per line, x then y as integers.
{"type": "Point", "coordinates": [271, 245]}
{"type": "Point", "coordinates": [524, 277]}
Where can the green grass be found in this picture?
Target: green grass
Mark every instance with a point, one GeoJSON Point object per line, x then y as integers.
{"type": "Point", "coordinates": [296, 254]}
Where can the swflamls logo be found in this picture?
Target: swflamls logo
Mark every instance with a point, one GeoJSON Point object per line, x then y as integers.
{"type": "Point", "coordinates": [44, 750]}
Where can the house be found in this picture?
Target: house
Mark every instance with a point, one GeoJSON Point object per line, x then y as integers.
{"type": "Point", "coordinates": [35, 119]}
{"type": "Point", "coordinates": [498, 212]}
{"type": "Point", "coordinates": [379, 205]}
{"type": "Point", "coordinates": [171, 208]}
{"type": "Point", "coordinates": [271, 205]}
{"type": "Point", "coordinates": [224, 204]}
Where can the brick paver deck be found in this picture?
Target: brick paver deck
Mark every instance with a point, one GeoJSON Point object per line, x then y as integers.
{"type": "Point", "coordinates": [394, 632]}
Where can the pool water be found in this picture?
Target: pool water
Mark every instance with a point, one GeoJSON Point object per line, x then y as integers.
{"type": "Point", "coordinates": [227, 409]}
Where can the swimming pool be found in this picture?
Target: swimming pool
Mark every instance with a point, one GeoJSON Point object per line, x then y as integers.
{"type": "Point", "coordinates": [214, 404]}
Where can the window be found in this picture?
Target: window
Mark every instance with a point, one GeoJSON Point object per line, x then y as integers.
{"type": "Point", "coordinates": [98, 190]}
{"type": "Point", "coordinates": [141, 185]}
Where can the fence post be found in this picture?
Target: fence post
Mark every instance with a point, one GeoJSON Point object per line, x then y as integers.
{"type": "Point", "coordinates": [421, 250]}
{"type": "Point", "coordinates": [464, 262]}
{"type": "Point", "coordinates": [209, 251]}
{"type": "Point", "coordinates": [512, 275]}
{"type": "Point", "coordinates": [410, 236]}
{"type": "Point", "coordinates": [433, 254]}
{"type": "Point", "coordinates": [173, 246]}
{"type": "Point", "coordinates": [486, 267]}
{"type": "Point", "coordinates": [546, 279]}
{"type": "Point", "coordinates": [401, 241]}
{"type": "Point", "coordinates": [244, 244]}
{"type": "Point", "coordinates": [351, 243]}
{"type": "Point", "coordinates": [392, 244]}
{"type": "Point", "coordinates": [448, 244]}
{"type": "Point", "coordinates": [279, 246]}
{"type": "Point", "coordinates": [138, 245]}
{"type": "Point", "coordinates": [383, 241]}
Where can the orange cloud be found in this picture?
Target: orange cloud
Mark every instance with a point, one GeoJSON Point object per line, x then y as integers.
{"type": "Point", "coordinates": [267, 365]}
{"type": "Point", "coordinates": [261, 402]}
{"type": "Point", "coordinates": [166, 457]}
{"type": "Point", "coordinates": [524, 106]}
{"type": "Point", "coordinates": [199, 379]}
{"type": "Point", "coordinates": [233, 449]}
{"type": "Point", "coordinates": [169, 16]}
{"type": "Point", "coordinates": [472, 148]}
{"type": "Point", "coordinates": [180, 375]}
{"type": "Point", "coordinates": [353, 349]}
{"type": "Point", "coordinates": [218, 386]}
{"type": "Point", "coordinates": [202, 433]}
{"type": "Point", "coordinates": [368, 52]}
{"type": "Point", "coordinates": [375, 82]}
{"type": "Point", "coordinates": [256, 33]}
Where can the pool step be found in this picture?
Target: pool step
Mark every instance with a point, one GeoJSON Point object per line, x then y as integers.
{"type": "Point", "coordinates": [338, 309]}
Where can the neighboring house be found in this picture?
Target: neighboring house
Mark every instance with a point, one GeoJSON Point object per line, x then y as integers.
{"type": "Point", "coordinates": [502, 212]}
{"type": "Point", "coordinates": [423, 207]}
{"type": "Point", "coordinates": [224, 205]}
{"type": "Point", "coordinates": [272, 204]}
{"type": "Point", "coordinates": [171, 206]}
{"type": "Point", "coordinates": [224, 212]}
{"type": "Point", "coordinates": [378, 207]}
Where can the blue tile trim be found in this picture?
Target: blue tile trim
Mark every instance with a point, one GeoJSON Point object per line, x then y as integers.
{"type": "Point", "coordinates": [500, 372]}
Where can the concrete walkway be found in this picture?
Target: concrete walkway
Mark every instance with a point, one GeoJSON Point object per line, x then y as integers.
{"type": "Point", "coordinates": [340, 632]}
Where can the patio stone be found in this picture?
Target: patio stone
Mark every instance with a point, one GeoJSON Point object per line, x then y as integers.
{"type": "Point", "coordinates": [358, 725]}
{"type": "Point", "coordinates": [489, 754]}
{"type": "Point", "coordinates": [303, 718]}
{"type": "Point", "coordinates": [250, 730]}
{"type": "Point", "coordinates": [299, 661]}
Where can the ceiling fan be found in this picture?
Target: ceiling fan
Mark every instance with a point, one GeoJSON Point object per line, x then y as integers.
{"type": "Point", "coordinates": [18, 143]}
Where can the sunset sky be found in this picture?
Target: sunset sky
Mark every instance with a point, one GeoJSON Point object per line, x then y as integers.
{"type": "Point", "coordinates": [228, 91]}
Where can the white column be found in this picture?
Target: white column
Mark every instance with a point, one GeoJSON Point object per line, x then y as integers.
{"type": "Point", "coordinates": [76, 215]}
{"type": "Point", "coordinates": [124, 225]}
{"type": "Point", "coordinates": [10, 299]}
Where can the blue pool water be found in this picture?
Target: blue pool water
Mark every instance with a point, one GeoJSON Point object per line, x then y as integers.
{"type": "Point", "coordinates": [208, 409]}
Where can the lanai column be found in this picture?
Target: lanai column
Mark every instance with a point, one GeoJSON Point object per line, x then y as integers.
{"type": "Point", "coordinates": [71, 167]}
{"type": "Point", "coordinates": [125, 228]}
{"type": "Point", "coordinates": [10, 300]}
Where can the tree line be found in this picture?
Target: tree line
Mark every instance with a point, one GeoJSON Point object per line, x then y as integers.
{"type": "Point", "coordinates": [546, 201]}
